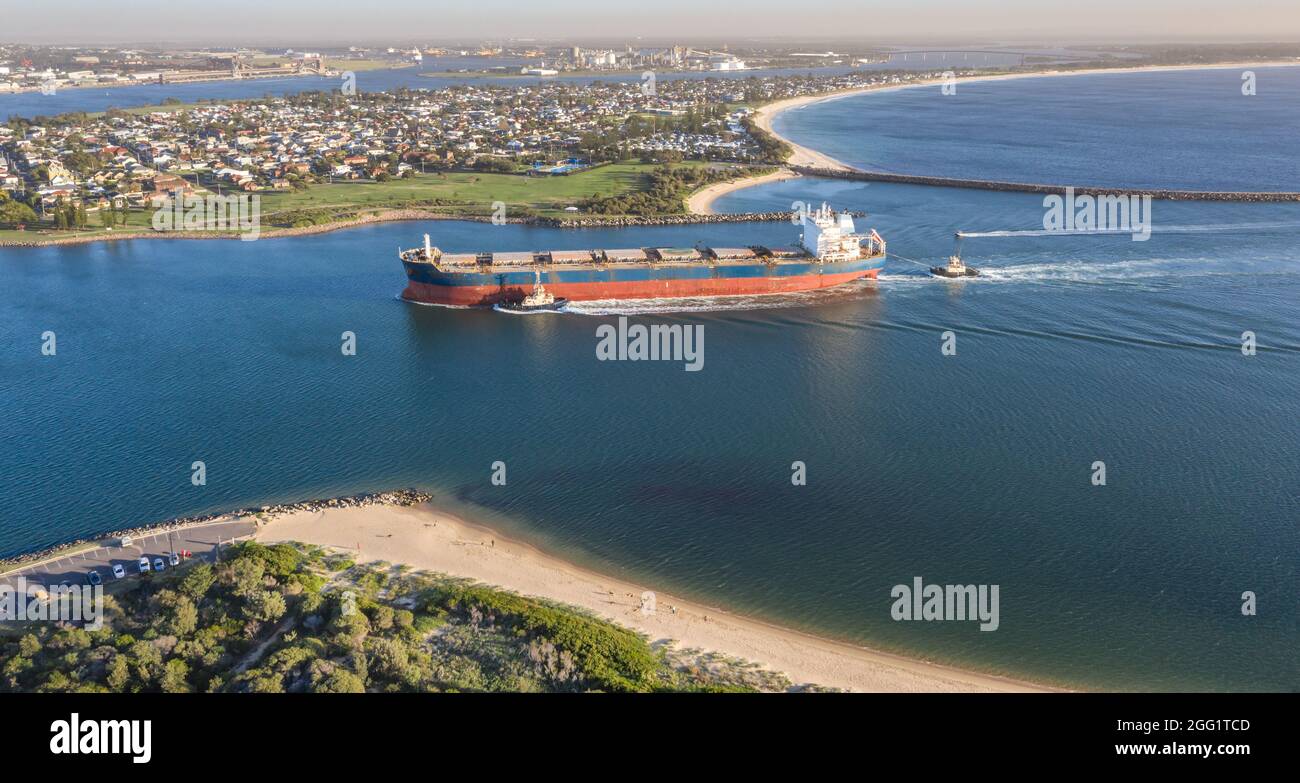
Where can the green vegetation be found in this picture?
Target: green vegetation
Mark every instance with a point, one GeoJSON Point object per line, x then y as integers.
{"type": "Point", "coordinates": [292, 618]}
{"type": "Point", "coordinates": [625, 188]}
{"type": "Point", "coordinates": [466, 193]}
{"type": "Point", "coordinates": [14, 212]}
{"type": "Point", "coordinates": [665, 191]}
{"type": "Point", "coordinates": [772, 149]}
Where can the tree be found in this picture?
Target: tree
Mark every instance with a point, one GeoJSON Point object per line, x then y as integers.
{"type": "Point", "coordinates": [184, 618]}
{"type": "Point", "coordinates": [197, 581]}
{"type": "Point", "coordinates": [119, 673]}
{"type": "Point", "coordinates": [175, 677]}
{"type": "Point", "coordinates": [265, 606]}
{"type": "Point", "coordinates": [29, 645]}
{"type": "Point", "coordinates": [244, 575]}
{"type": "Point", "coordinates": [340, 681]}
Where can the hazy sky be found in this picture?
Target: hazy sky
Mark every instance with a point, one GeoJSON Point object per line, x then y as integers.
{"type": "Point", "coordinates": [865, 21]}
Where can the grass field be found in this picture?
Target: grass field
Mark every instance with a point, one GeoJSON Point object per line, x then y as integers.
{"type": "Point", "coordinates": [453, 193]}
{"type": "Point", "coordinates": [472, 193]}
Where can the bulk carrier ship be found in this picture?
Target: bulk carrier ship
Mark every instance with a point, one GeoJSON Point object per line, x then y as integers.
{"type": "Point", "coordinates": [829, 253]}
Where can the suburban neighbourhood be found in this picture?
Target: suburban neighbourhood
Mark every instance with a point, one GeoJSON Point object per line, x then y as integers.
{"type": "Point", "coordinates": [79, 171]}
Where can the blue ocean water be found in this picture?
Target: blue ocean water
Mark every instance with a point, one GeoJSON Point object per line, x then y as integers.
{"type": "Point", "coordinates": [1189, 130]}
{"type": "Point", "coordinates": [964, 469]}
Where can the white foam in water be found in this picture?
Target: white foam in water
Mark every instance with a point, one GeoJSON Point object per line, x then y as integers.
{"type": "Point", "coordinates": [1200, 229]}
{"type": "Point", "coordinates": [401, 298]}
{"type": "Point", "coordinates": [1084, 271]}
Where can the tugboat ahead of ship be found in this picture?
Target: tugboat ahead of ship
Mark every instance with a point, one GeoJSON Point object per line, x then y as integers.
{"type": "Point", "coordinates": [955, 266]}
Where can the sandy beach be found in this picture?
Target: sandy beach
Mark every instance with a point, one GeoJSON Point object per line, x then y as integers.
{"type": "Point", "coordinates": [763, 117]}
{"type": "Point", "coordinates": [701, 202]}
{"type": "Point", "coordinates": [426, 538]}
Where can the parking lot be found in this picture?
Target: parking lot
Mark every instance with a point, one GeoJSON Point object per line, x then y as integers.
{"type": "Point", "coordinates": [202, 540]}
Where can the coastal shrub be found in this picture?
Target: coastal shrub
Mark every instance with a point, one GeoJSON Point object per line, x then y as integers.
{"type": "Point", "coordinates": [338, 680]}
{"type": "Point", "coordinates": [666, 190]}
{"type": "Point", "coordinates": [213, 629]}
{"type": "Point", "coordinates": [427, 623]}
{"type": "Point", "coordinates": [610, 657]}
{"type": "Point", "coordinates": [339, 562]}
{"type": "Point", "coordinates": [279, 560]}
{"type": "Point", "coordinates": [310, 583]}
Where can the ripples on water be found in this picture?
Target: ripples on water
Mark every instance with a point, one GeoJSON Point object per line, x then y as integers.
{"type": "Point", "coordinates": [1186, 129]}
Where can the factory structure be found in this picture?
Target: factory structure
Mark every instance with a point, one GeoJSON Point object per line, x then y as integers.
{"type": "Point", "coordinates": [629, 58]}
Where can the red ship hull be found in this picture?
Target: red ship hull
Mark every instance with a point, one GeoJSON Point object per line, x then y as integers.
{"type": "Point", "coordinates": [478, 295]}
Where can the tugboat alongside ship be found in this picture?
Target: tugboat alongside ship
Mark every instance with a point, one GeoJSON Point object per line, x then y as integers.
{"type": "Point", "coordinates": [829, 253]}
{"type": "Point", "coordinates": [539, 301]}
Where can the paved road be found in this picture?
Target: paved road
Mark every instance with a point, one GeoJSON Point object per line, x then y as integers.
{"type": "Point", "coordinates": [202, 540]}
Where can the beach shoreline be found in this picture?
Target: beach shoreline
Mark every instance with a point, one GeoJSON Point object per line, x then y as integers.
{"type": "Point", "coordinates": [701, 201]}
{"type": "Point", "coordinates": [435, 540]}
{"type": "Point", "coordinates": [805, 157]}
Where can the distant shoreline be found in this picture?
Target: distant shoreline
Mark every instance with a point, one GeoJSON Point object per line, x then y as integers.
{"type": "Point", "coordinates": [222, 77]}
{"type": "Point", "coordinates": [805, 157]}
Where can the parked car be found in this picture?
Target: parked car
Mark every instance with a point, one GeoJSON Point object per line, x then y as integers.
{"type": "Point", "coordinates": [94, 578]}
{"type": "Point", "coordinates": [124, 542]}
{"type": "Point", "coordinates": [118, 571]}
{"type": "Point", "coordinates": [144, 565]}
{"type": "Point", "coordinates": [158, 564]}
{"type": "Point", "coordinates": [174, 559]}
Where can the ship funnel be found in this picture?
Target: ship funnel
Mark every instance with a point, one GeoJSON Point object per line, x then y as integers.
{"type": "Point", "coordinates": [428, 249]}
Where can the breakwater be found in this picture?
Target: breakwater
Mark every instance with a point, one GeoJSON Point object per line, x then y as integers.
{"type": "Point", "coordinates": [1162, 194]}
{"type": "Point", "coordinates": [387, 216]}
{"type": "Point", "coordinates": [681, 219]}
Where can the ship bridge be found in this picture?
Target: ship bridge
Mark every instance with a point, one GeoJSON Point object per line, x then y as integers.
{"type": "Point", "coordinates": [830, 236]}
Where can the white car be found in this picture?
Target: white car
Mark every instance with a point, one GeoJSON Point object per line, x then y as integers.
{"type": "Point", "coordinates": [174, 559]}
{"type": "Point", "coordinates": [118, 571]}
{"type": "Point", "coordinates": [144, 565]}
